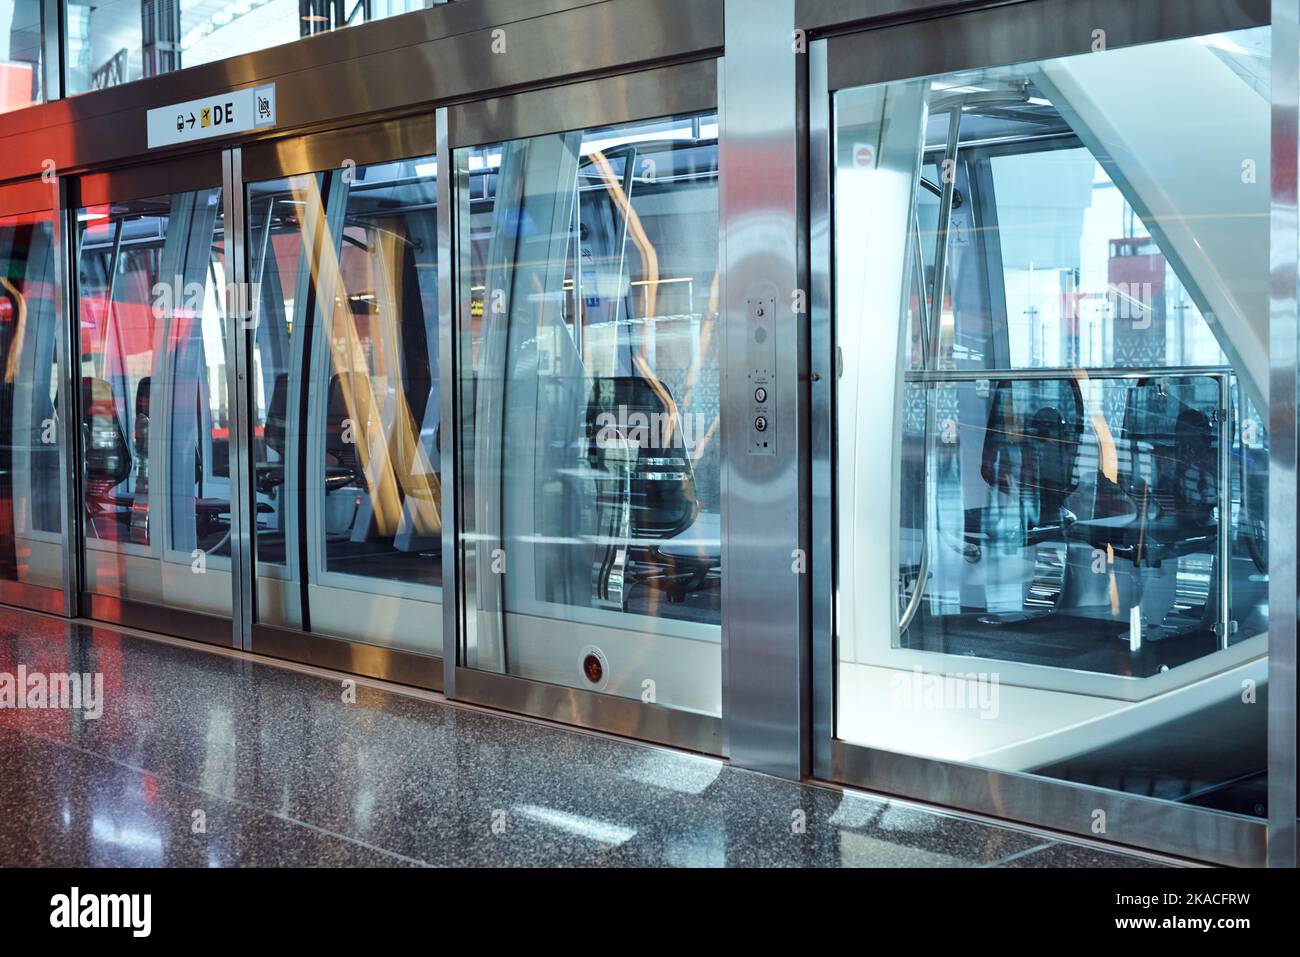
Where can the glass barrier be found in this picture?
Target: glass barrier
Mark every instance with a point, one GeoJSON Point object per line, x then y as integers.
{"type": "Point", "coordinates": [21, 32]}
{"type": "Point", "coordinates": [1075, 577]}
{"type": "Point", "coordinates": [589, 382]}
{"type": "Point", "coordinates": [118, 41]}
{"type": "Point", "coordinates": [347, 423]}
{"type": "Point", "coordinates": [155, 409]}
{"type": "Point", "coordinates": [31, 525]}
{"type": "Point", "coordinates": [1098, 520]}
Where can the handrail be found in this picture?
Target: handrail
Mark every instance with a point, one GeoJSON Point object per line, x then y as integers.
{"type": "Point", "coordinates": [1145, 372]}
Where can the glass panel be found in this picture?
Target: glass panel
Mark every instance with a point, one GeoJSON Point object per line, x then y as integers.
{"type": "Point", "coordinates": [20, 53]}
{"type": "Point", "coordinates": [31, 525]}
{"type": "Point", "coordinates": [589, 384]}
{"type": "Point", "coordinates": [347, 433]}
{"type": "Point", "coordinates": [155, 409]}
{"type": "Point", "coordinates": [1077, 579]}
{"type": "Point", "coordinates": [118, 41]}
{"type": "Point", "coordinates": [1105, 488]}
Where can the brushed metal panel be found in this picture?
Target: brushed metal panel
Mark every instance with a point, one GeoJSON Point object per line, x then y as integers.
{"type": "Point", "coordinates": [1025, 31]}
{"type": "Point", "coordinates": [450, 196]}
{"type": "Point", "coordinates": [765, 621]}
{"type": "Point", "coordinates": [68, 344]}
{"type": "Point", "coordinates": [1284, 327]}
{"type": "Point", "coordinates": [821, 435]}
{"type": "Point", "coordinates": [194, 625]}
{"type": "Point", "coordinates": [239, 376]}
{"type": "Point", "coordinates": [1131, 819]}
{"type": "Point", "coordinates": [826, 15]}
{"type": "Point", "coordinates": [28, 196]}
{"type": "Point", "coordinates": [353, 657]}
{"type": "Point", "coordinates": [687, 88]}
{"type": "Point", "coordinates": [622, 716]}
{"type": "Point", "coordinates": [31, 597]}
{"type": "Point", "coordinates": [166, 178]}
{"type": "Point", "coordinates": [363, 145]}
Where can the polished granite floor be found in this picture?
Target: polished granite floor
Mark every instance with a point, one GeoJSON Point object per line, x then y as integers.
{"type": "Point", "coordinates": [204, 759]}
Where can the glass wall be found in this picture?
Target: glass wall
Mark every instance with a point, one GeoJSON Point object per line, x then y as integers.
{"type": "Point", "coordinates": [31, 526]}
{"type": "Point", "coordinates": [155, 408]}
{"type": "Point", "coordinates": [20, 53]}
{"type": "Point", "coordinates": [347, 425]}
{"type": "Point", "coordinates": [589, 384]}
{"type": "Point", "coordinates": [117, 41]}
{"type": "Point", "coordinates": [1057, 274]}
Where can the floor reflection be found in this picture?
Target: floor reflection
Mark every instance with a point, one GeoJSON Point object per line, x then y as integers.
{"type": "Point", "coordinates": [203, 760]}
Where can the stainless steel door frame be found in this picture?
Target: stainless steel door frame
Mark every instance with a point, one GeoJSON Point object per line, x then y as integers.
{"type": "Point", "coordinates": [136, 181]}
{"type": "Point", "coordinates": [338, 149]}
{"type": "Point", "coordinates": [666, 91]}
{"type": "Point", "coordinates": [45, 196]}
{"type": "Point", "coordinates": [239, 386]}
{"type": "Point", "coordinates": [991, 37]}
{"type": "Point", "coordinates": [1284, 329]}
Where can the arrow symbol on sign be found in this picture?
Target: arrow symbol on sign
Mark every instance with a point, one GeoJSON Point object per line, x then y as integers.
{"type": "Point", "coordinates": [191, 119]}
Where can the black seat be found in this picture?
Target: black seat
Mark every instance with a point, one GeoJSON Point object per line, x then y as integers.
{"type": "Point", "coordinates": [140, 426]}
{"type": "Point", "coordinates": [270, 475]}
{"type": "Point", "coordinates": [108, 456]}
{"type": "Point", "coordinates": [1162, 502]}
{"type": "Point", "coordinates": [343, 467]}
{"type": "Point", "coordinates": [646, 501]}
{"type": "Point", "coordinates": [139, 503]}
{"type": "Point", "coordinates": [1030, 464]}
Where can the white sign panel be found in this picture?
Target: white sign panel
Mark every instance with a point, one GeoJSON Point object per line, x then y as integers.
{"type": "Point", "coordinates": [219, 115]}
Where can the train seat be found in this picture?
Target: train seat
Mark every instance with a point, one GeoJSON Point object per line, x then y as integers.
{"type": "Point", "coordinates": [108, 456]}
{"type": "Point", "coordinates": [270, 474]}
{"type": "Point", "coordinates": [648, 512]}
{"type": "Point", "coordinates": [1030, 465]}
{"type": "Point", "coordinates": [349, 404]}
{"type": "Point", "coordinates": [1163, 503]}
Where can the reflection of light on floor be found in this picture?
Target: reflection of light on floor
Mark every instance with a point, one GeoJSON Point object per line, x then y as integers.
{"type": "Point", "coordinates": [676, 773]}
{"type": "Point", "coordinates": [857, 812]}
{"type": "Point", "coordinates": [106, 831]}
{"type": "Point", "coordinates": [594, 830]}
{"type": "Point", "coordinates": [872, 833]}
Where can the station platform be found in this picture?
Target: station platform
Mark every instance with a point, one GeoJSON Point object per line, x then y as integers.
{"type": "Point", "coordinates": [211, 758]}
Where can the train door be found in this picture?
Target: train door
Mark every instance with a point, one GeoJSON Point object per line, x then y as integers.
{"type": "Point", "coordinates": [1051, 286]}
{"type": "Point", "coordinates": [32, 542]}
{"type": "Point", "coordinates": [588, 390]}
{"type": "Point", "coordinates": [345, 399]}
{"type": "Point", "coordinates": [155, 412]}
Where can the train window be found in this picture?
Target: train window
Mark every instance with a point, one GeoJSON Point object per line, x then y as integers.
{"type": "Point", "coordinates": [589, 372]}
{"type": "Point", "coordinates": [155, 412]}
{"type": "Point", "coordinates": [1078, 470]}
{"type": "Point", "coordinates": [347, 429]}
{"type": "Point", "coordinates": [31, 534]}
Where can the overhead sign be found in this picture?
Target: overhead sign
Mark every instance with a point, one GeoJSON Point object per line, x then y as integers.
{"type": "Point", "coordinates": [221, 115]}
